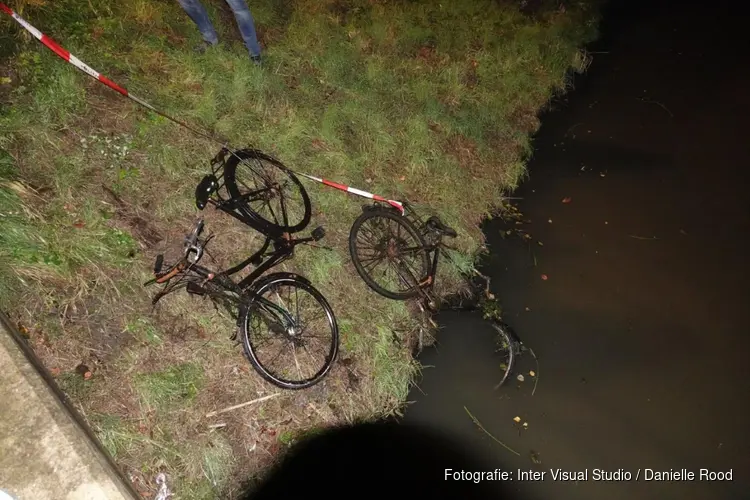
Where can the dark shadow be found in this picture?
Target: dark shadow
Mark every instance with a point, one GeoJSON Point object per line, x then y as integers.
{"type": "Point", "coordinates": [380, 459]}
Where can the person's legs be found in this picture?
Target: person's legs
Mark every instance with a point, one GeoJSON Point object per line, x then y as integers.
{"type": "Point", "coordinates": [247, 26]}
{"type": "Point", "coordinates": [198, 14]}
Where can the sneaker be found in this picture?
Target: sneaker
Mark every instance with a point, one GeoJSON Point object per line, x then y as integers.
{"type": "Point", "coordinates": [256, 59]}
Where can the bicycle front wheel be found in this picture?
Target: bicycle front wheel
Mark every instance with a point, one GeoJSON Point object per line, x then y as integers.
{"type": "Point", "coordinates": [289, 333]}
{"type": "Point", "coordinates": [267, 192]}
{"type": "Point", "coordinates": [389, 253]}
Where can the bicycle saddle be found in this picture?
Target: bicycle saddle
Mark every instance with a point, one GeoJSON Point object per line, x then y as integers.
{"type": "Point", "coordinates": [436, 224]}
{"type": "Point", "coordinates": [204, 190]}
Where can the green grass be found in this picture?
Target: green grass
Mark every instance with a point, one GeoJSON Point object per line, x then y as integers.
{"type": "Point", "coordinates": [173, 386]}
{"type": "Point", "coordinates": [424, 101]}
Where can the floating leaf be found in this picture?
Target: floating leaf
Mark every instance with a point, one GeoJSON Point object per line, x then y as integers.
{"type": "Point", "coordinates": [544, 277]}
{"type": "Point", "coordinates": [520, 377]}
{"type": "Point", "coordinates": [517, 419]}
{"type": "Point", "coordinates": [567, 199]}
{"type": "Point", "coordinates": [532, 373]}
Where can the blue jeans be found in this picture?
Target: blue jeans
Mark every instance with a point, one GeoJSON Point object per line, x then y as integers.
{"type": "Point", "coordinates": [245, 21]}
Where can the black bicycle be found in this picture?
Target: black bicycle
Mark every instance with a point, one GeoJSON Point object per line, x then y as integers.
{"type": "Point", "coordinates": [259, 191]}
{"type": "Point", "coordinates": [397, 254]}
{"type": "Point", "coordinates": [286, 326]}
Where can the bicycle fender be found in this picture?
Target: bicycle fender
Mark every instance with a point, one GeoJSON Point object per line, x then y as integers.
{"type": "Point", "coordinates": [274, 276]}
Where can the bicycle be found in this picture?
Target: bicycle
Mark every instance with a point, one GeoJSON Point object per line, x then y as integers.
{"type": "Point", "coordinates": [409, 246]}
{"type": "Point", "coordinates": [260, 191]}
{"type": "Point", "coordinates": [274, 302]}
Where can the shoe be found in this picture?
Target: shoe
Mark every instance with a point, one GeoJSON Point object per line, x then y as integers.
{"type": "Point", "coordinates": [256, 59]}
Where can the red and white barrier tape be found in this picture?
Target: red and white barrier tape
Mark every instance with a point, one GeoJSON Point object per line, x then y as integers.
{"type": "Point", "coordinates": [395, 204]}
{"type": "Point", "coordinates": [67, 56]}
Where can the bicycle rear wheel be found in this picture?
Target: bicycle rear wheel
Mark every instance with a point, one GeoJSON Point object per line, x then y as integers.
{"type": "Point", "coordinates": [289, 333]}
{"type": "Point", "coordinates": [389, 253]}
{"type": "Point", "coordinates": [267, 192]}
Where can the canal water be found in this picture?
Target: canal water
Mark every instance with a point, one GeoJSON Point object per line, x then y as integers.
{"type": "Point", "coordinates": [641, 325]}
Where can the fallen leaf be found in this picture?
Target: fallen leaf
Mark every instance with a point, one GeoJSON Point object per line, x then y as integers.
{"type": "Point", "coordinates": [402, 178]}
{"type": "Point", "coordinates": [368, 181]}
{"type": "Point", "coordinates": [544, 277]}
{"type": "Point", "coordinates": [525, 425]}
{"type": "Point", "coordinates": [54, 372]}
{"type": "Point", "coordinates": [87, 375]}
{"type": "Point", "coordinates": [23, 331]}
{"type": "Point", "coordinates": [517, 419]}
{"type": "Point", "coordinates": [520, 377]}
{"type": "Point", "coordinates": [79, 224]}
{"type": "Point", "coordinates": [567, 199]}
{"type": "Point", "coordinates": [532, 373]}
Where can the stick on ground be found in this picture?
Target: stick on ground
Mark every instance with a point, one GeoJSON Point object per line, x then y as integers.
{"type": "Point", "coordinates": [242, 405]}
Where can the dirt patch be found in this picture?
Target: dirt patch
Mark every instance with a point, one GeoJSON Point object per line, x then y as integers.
{"type": "Point", "coordinates": [112, 113]}
{"type": "Point", "coordinates": [427, 55]}
{"type": "Point", "coordinates": [134, 220]}
{"type": "Point", "coordinates": [524, 119]}
{"type": "Point", "coordinates": [471, 78]}
{"type": "Point", "coordinates": [464, 150]}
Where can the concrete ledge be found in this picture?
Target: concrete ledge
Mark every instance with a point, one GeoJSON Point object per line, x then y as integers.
{"type": "Point", "coordinates": [46, 451]}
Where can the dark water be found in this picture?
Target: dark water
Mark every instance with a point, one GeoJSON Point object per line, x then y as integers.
{"type": "Point", "coordinates": [641, 329]}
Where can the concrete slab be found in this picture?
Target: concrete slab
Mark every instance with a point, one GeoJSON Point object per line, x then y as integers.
{"type": "Point", "coordinates": [45, 453]}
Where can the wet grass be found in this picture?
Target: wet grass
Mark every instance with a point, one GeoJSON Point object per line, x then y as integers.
{"type": "Point", "coordinates": [430, 102]}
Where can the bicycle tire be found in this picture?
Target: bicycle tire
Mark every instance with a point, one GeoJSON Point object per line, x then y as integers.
{"type": "Point", "coordinates": [263, 222]}
{"type": "Point", "coordinates": [251, 350]}
{"type": "Point", "coordinates": [401, 222]}
{"type": "Point", "coordinates": [509, 345]}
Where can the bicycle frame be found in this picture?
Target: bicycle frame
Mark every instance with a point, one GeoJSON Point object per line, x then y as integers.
{"type": "Point", "coordinates": [243, 288]}
{"type": "Point", "coordinates": [283, 250]}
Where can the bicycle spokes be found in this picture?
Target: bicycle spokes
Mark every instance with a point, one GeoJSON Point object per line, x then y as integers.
{"type": "Point", "coordinates": [390, 255]}
{"type": "Point", "coordinates": [269, 192]}
{"type": "Point", "coordinates": [291, 334]}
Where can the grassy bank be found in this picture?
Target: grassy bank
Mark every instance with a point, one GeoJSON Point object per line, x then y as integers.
{"type": "Point", "coordinates": [425, 101]}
